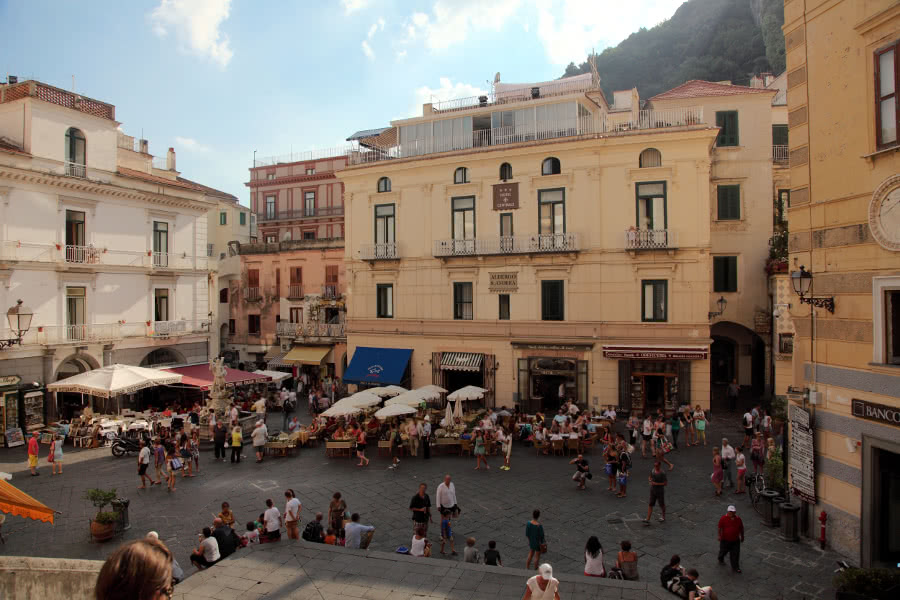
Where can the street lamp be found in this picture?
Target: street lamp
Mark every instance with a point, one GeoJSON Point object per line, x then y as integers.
{"type": "Point", "coordinates": [802, 281]}
{"type": "Point", "coordinates": [19, 318]}
{"type": "Point", "coordinates": [721, 303]}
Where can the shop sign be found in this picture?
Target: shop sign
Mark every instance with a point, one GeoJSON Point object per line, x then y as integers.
{"type": "Point", "coordinates": [506, 196]}
{"type": "Point", "coordinates": [654, 353]}
{"type": "Point", "coordinates": [879, 413]}
{"type": "Point", "coordinates": [504, 282]}
{"type": "Point", "coordinates": [802, 458]}
{"type": "Point", "coordinates": [8, 380]}
{"type": "Point", "coordinates": [578, 347]}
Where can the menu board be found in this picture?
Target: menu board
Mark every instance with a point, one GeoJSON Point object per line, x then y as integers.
{"type": "Point", "coordinates": [802, 458]}
{"type": "Point", "coordinates": [14, 437]}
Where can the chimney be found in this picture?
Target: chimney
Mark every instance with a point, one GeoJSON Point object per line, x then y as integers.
{"type": "Point", "coordinates": [769, 78]}
{"type": "Point", "coordinates": [757, 82]}
{"type": "Point", "coordinates": [170, 159]}
{"type": "Point", "coordinates": [145, 147]}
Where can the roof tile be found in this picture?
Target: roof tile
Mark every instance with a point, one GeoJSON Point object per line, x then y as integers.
{"type": "Point", "coordinates": [697, 88]}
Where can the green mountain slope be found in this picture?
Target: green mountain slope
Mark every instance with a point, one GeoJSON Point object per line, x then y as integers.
{"type": "Point", "coordinates": [705, 39]}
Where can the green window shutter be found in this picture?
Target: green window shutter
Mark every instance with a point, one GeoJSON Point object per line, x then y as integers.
{"type": "Point", "coordinates": [732, 128]}
{"type": "Point", "coordinates": [732, 273]}
{"type": "Point", "coordinates": [724, 273]}
{"type": "Point", "coordinates": [718, 274]}
{"type": "Point", "coordinates": [727, 122]}
{"type": "Point", "coordinates": [729, 202]}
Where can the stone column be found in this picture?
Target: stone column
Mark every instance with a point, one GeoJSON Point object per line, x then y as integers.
{"type": "Point", "coordinates": [49, 397]}
{"type": "Point", "coordinates": [108, 355]}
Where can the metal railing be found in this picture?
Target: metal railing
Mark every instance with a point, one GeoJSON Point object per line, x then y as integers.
{"type": "Point", "coordinates": [160, 260]}
{"type": "Point", "coordinates": [513, 244]}
{"type": "Point", "coordinates": [293, 157]}
{"type": "Point", "coordinates": [75, 170]}
{"type": "Point", "coordinates": [160, 162]}
{"type": "Point", "coordinates": [253, 294]}
{"type": "Point", "coordinates": [504, 96]}
{"type": "Point", "coordinates": [95, 255]}
{"type": "Point", "coordinates": [385, 251]}
{"type": "Point", "coordinates": [176, 328]}
{"type": "Point", "coordinates": [652, 119]}
{"type": "Point", "coordinates": [82, 254]}
{"type": "Point", "coordinates": [61, 334]}
{"type": "Point", "coordinates": [650, 239]}
{"type": "Point", "coordinates": [331, 291]}
{"type": "Point", "coordinates": [295, 290]}
{"type": "Point", "coordinates": [780, 153]}
{"type": "Point", "coordinates": [295, 330]}
{"type": "Point", "coordinates": [301, 213]}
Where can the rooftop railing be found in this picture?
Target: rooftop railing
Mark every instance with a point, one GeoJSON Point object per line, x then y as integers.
{"type": "Point", "coordinates": [523, 94]}
{"type": "Point", "coordinates": [293, 157]}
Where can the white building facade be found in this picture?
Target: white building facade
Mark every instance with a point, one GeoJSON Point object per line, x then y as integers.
{"type": "Point", "coordinates": [106, 244]}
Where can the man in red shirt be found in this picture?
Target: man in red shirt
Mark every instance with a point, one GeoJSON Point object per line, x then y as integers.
{"type": "Point", "coordinates": [33, 451]}
{"type": "Point", "coordinates": [731, 534]}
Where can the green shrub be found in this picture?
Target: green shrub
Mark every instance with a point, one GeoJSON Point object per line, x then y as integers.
{"type": "Point", "coordinates": [774, 471]}
{"type": "Point", "coordinates": [99, 498]}
{"type": "Point", "coordinates": [105, 518]}
{"type": "Point", "coordinates": [868, 583]}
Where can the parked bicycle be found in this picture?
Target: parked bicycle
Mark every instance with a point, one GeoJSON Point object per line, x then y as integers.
{"type": "Point", "coordinates": [756, 483]}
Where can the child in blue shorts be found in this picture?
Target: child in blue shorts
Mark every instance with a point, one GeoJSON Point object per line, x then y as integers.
{"type": "Point", "coordinates": [446, 532]}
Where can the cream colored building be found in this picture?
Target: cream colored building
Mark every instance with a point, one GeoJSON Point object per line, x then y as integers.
{"type": "Point", "coordinates": [844, 218]}
{"type": "Point", "coordinates": [227, 222]}
{"type": "Point", "coordinates": [104, 242]}
{"type": "Point", "coordinates": [539, 242]}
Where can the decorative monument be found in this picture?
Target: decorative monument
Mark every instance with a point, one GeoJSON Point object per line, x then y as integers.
{"type": "Point", "coordinates": [219, 396]}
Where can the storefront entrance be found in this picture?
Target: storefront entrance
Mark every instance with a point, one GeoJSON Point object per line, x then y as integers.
{"type": "Point", "coordinates": [454, 370]}
{"type": "Point", "coordinates": [545, 383]}
{"type": "Point", "coordinates": [647, 386]}
{"type": "Point", "coordinates": [881, 503]}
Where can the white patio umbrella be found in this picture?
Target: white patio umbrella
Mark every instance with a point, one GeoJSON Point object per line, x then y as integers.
{"type": "Point", "coordinates": [457, 410]}
{"type": "Point", "coordinates": [428, 393]}
{"type": "Point", "coordinates": [411, 398]}
{"type": "Point", "coordinates": [432, 388]}
{"type": "Point", "coordinates": [395, 390]}
{"type": "Point", "coordinates": [341, 409]}
{"type": "Point", "coordinates": [114, 380]}
{"type": "Point", "coordinates": [395, 410]}
{"type": "Point", "coordinates": [448, 416]}
{"type": "Point", "coordinates": [275, 375]}
{"type": "Point", "coordinates": [378, 391]}
{"type": "Point", "coordinates": [470, 392]}
{"type": "Point", "coordinates": [364, 399]}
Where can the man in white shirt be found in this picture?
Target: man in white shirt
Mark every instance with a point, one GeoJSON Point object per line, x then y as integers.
{"type": "Point", "coordinates": [445, 496]}
{"type": "Point", "coordinates": [727, 461]}
{"type": "Point", "coordinates": [260, 436]}
{"type": "Point", "coordinates": [573, 409]}
{"type": "Point", "coordinates": [747, 423]}
{"type": "Point", "coordinates": [271, 523]}
{"type": "Point", "coordinates": [354, 530]}
{"type": "Point", "coordinates": [143, 465]}
{"type": "Point", "coordinates": [207, 553]}
{"type": "Point", "coordinates": [260, 407]}
{"type": "Point", "coordinates": [292, 510]}
{"type": "Point", "coordinates": [234, 413]}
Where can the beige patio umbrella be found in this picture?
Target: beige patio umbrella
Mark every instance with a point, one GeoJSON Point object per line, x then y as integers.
{"type": "Point", "coordinates": [457, 410]}
{"type": "Point", "coordinates": [411, 398]}
{"type": "Point", "coordinates": [394, 390]}
{"type": "Point", "coordinates": [113, 380]}
{"type": "Point", "coordinates": [470, 392]}
{"type": "Point", "coordinates": [395, 410]}
{"type": "Point", "coordinates": [341, 409]}
{"type": "Point", "coordinates": [429, 392]}
{"type": "Point", "coordinates": [364, 399]}
{"type": "Point", "coordinates": [432, 388]}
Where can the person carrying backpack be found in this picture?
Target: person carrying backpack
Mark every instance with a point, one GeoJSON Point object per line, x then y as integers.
{"type": "Point", "coordinates": [313, 532]}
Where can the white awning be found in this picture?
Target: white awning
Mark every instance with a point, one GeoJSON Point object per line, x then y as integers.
{"type": "Point", "coordinates": [461, 361]}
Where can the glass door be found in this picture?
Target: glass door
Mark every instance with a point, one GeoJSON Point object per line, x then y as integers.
{"type": "Point", "coordinates": [75, 313]}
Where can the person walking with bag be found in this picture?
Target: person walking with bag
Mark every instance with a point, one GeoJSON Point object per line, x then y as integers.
{"type": "Point", "coordinates": [537, 543]}
{"type": "Point", "coordinates": [237, 443]}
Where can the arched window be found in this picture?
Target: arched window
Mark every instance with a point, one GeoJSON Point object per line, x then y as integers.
{"type": "Point", "coordinates": [650, 157]}
{"type": "Point", "coordinates": [550, 166]}
{"type": "Point", "coordinates": [76, 148]}
{"type": "Point", "coordinates": [461, 175]}
{"type": "Point", "coordinates": [384, 185]}
{"type": "Point", "coordinates": [505, 172]}
{"type": "Point", "coordinates": [223, 296]}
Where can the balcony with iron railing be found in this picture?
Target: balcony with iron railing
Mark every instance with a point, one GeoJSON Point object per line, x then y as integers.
{"type": "Point", "coordinates": [512, 244]}
{"type": "Point", "coordinates": [295, 291]}
{"type": "Point", "coordinates": [780, 153]}
{"type": "Point", "coordinates": [384, 251]}
{"type": "Point", "coordinates": [163, 329]}
{"type": "Point", "coordinates": [331, 291]}
{"type": "Point", "coordinates": [536, 131]}
{"type": "Point", "coordinates": [311, 330]}
{"type": "Point", "coordinates": [90, 255]}
{"type": "Point", "coordinates": [108, 332]}
{"type": "Point", "coordinates": [650, 239]}
{"type": "Point", "coordinates": [302, 213]}
{"type": "Point", "coordinates": [74, 169]}
{"type": "Point", "coordinates": [253, 294]}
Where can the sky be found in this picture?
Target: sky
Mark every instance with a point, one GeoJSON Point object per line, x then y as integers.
{"type": "Point", "coordinates": [220, 79]}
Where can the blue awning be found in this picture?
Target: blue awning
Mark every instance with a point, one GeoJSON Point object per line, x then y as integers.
{"type": "Point", "coordinates": [381, 366]}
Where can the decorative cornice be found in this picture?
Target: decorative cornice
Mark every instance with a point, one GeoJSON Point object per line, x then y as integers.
{"type": "Point", "coordinates": [257, 183]}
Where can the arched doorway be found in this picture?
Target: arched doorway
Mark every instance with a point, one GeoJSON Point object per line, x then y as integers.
{"type": "Point", "coordinates": [163, 356]}
{"type": "Point", "coordinates": [736, 353]}
{"type": "Point", "coordinates": [69, 404]}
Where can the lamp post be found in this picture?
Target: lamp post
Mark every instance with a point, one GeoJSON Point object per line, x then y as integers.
{"type": "Point", "coordinates": [19, 318]}
{"type": "Point", "coordinates": [722, 303]}
{"type": "Point", "coordinates": [802, 281]}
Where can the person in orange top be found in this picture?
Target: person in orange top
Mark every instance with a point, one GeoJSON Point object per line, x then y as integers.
{"type": "Point", "coordinates": [33, 450]}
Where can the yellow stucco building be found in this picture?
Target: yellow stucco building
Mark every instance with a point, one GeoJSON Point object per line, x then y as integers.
{"type": "Point", "coordinates": [541, 242]}
{"type": "Point", "coordinates": [844, 220]}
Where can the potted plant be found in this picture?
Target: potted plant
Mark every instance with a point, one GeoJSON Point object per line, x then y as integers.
{"type": "Point", "coordinates": [774, 472]}
{"type": "Point", "coordinates": [103, 525]}
{"type": "Point", "coordinates": [866, 584]}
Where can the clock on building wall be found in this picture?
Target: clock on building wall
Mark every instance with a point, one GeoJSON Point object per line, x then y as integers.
{"type": "Point", "coordinates": [884, 213]}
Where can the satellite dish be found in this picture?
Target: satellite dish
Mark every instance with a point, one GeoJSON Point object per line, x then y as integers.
{"type": "Point", "coordinates": [497, 77]}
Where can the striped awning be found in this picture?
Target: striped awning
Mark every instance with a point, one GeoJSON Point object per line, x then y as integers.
{"type": "Point", "coordinates": [277, 360]}
{"type": "Point", "coordinates": [461, 361]}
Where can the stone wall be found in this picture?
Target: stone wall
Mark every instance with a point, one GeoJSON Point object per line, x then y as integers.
{"type": "Point", "coordinates": [24, 578]}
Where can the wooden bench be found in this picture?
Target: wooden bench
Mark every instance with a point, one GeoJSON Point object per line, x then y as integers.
{"type": "Point", "coordinates": [338, 448]}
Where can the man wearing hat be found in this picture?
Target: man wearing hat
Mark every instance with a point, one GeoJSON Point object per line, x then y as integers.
{"type": "Point", "coordinates": [543, 585]}
{"type": "Point", "coordinates": [731, 534]}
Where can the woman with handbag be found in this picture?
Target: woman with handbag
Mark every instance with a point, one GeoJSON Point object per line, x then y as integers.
{"type": "Point", "coordinates": [537, 543]}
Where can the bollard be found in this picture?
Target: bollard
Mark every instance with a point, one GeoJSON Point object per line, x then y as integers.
{"type": "Point", "coordinates": [790, 526]}
{"type": "Point", "coordinates": [767, 496]}
{"type": "Point", "coordinates": [777, 501]}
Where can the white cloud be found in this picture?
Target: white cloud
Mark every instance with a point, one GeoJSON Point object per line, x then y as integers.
{"type": "Point", "coordinates": [196, 24]}
{"type": "Point", "coordinates": [376, 27]}
{"type": "Point", "coordinates": [452, 21]}
{"type": "Point", "coordinates": [190, 145]}
{"type": "Point", "coordinates": [401, 54]}
{"type": "Point", "coordinates": [367, 50]}
{"type": "Point", "coordinates": [352, 6]}
{"type": "Point", "coordinates": [569, 29]}
{"type": "Point", "coordinates": [447, 91]}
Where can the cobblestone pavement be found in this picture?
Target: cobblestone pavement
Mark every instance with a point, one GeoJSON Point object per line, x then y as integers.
{"type": "Point", "coordinates": [496, 505]}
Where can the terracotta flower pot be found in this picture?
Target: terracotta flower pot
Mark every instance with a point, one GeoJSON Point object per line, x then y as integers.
{"type": "Point", "coordinates": [102, 531]}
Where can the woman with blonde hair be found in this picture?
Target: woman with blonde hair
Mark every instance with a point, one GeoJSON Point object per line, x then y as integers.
{"type": "Point", "coordinates": [139, 570]}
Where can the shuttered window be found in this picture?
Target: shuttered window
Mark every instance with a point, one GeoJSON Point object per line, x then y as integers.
{"type": "Point", "coordinates": [725, 273]}
{"type": "Point", "coordinates": [552, 301]}
{"type": "Point", "coordinates": [729, 202]}
{"type": "Point", "coordinates": [727, 122]}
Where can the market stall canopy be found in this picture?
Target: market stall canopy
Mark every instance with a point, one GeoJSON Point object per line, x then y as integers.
{"type": "Point", "coordinates": [363, 399]}
{"type": "Point", "coordinates": [378, 365]}
{"type": "Point", "coordinates": [470, 392]}
{"type": "Point", "coordinates": [306, 355]}
{"type": "Point", "coordinates": [413, 398]}
{"type": "Point", "coordinates": [200, 376]}
{"type": "Point", "coordinates": [276, 376]}
{"type": "Point", "coordinates": [16, 502]}
{"type": "Point", "coordinates": [113, 380]}
{"type": "Point", "coordinates": [395, 410]}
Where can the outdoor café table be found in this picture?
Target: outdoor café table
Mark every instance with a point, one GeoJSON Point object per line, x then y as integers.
{"type": "Point", "coordinates": [333, 448]}
{"type": "Point", "coordinates": [448, 444]}
{"type": "Point", "coordinates": [277, 448]}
